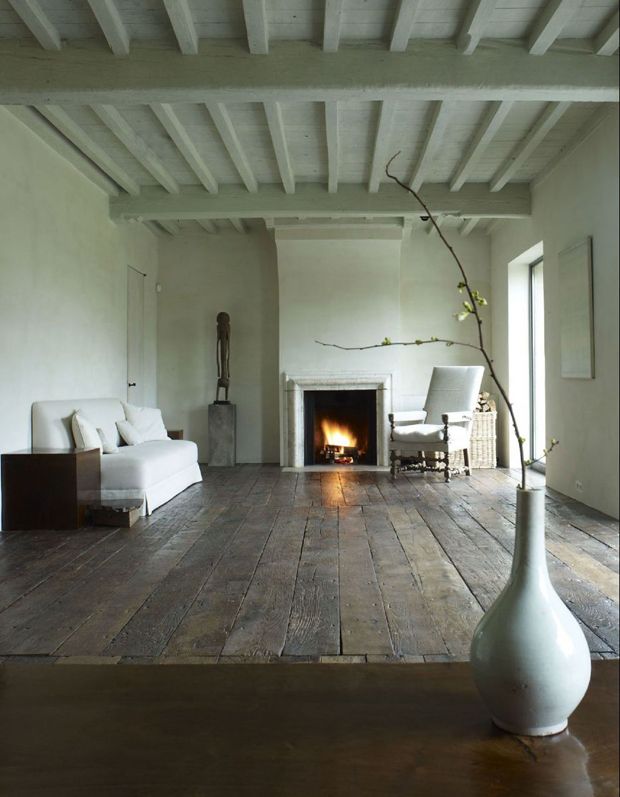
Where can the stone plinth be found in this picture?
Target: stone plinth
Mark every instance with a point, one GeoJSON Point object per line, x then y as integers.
{"type": "Point", "coordinates": [222, 434]}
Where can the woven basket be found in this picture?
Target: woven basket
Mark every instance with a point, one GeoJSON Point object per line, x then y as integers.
{"type": "Point", "coordinates": [482, 447]}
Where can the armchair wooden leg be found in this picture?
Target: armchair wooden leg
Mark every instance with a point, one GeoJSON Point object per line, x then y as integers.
{"type": "Point", "coordinates": [446, 473]}
{"type": "Point", "coordinates": [393, 465]}
{"type": "Point", "coordinates": [466, 461]}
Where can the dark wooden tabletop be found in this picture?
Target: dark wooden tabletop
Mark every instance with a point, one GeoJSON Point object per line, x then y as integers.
{"type": "Point", "coordinates": [278, 729]}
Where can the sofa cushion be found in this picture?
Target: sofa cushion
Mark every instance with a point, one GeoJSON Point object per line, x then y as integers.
{"type": "Point", "coordinates": [147, 463]}
{"type": "Point", "coordinates": [85, 433]}
{"type": "Point", "coordinates": [128, 432]}
{"type": "Point", "coordinates": [107, 447]}
{"type": "Point", "coordinates": [147, 421]}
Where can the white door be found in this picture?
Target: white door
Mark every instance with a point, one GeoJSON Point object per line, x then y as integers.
{"type": "Point", "coordinates": [135, 336]}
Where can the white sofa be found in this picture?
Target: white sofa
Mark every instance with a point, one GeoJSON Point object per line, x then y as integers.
{"type": "Point", "coordinates": [155, 471]}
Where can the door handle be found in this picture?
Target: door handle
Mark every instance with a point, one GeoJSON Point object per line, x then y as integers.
{"type": "Point", "coordinates": [131, 384]}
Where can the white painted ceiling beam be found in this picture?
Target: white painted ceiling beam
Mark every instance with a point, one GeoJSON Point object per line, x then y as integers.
{"type": "Point", "coordinates": [331, 25]}
{"type": "Point", "coordinates": [550, 23]}
{"type": "Point", "coordinates": [381, 152]}
{"type": "Point", "coordinates": [38, 23]}
{"type": "Point", "coordinates": [221, 119]}
{"type": "Point", "coordinates": [173, 126]}
{"type": "Point", "coordinates": [437, 128]}
{"type": "Point", "coordinates": [207, 226]}
{"type": "Point", "coordinates": [311, 199]}
{"type": "Point", "coordinates": [35, 122]}
{"type": "Point", "coordinates": [299, 72]}
{"type": "Point", "coordinates": [545, 122]}
{"type": "Point", "coordinates": [256, 26]}
{"type": "Point", "coordinates": [153, 227]}
{"type": "Point", "coordinates": [169, 226]}
{"type": "Point", "coordinates": [77, 135]}
{"type": "Point", "coordinates": [332, 135]}
{"type": "Point", "coordinates": [606, 42]}
{"type": "Point", "coordinates": [490, 125]}
{"type": "Point", "coordinates": [478, 16]}
{"type": "Point", "coordinates": [273, 112]}
{"type": "Point", "coordinates": [467, 226]}
{"type": "Point", "coordinates": [431, 229]}
{"type": "Point", "coordinates": [403, 24]}
{"type": "Point", "coordinates": [590, 126]}
{"type": "Point", "coordinates": [238, 225]}
{"type": "Point", "coordinates": [118, 125]}
{"type": "Point", "coordinates": [182, 22]}
{"type": "Point", "coordinates": [111, 24]}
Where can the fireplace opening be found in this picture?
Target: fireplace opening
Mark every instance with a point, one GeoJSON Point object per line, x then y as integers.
{"type": "Point", "coordinates": [340, 427]}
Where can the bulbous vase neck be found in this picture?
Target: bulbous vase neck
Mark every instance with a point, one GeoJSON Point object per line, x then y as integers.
{"type": "Point", "coordinates": [529, 560]}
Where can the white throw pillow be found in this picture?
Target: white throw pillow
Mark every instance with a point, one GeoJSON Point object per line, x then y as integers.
{"type": "Point", "coordinates": [147, 421]}
{"type": "Point", "coordinates": [106, 446]}
{"type": "Point", "coordinates": [84, 432]}
{"type": "Point", "coordinates": [129, 433]}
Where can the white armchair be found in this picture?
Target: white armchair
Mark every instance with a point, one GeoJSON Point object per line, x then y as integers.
{"type": "Point", "coordinates": [442, 427]}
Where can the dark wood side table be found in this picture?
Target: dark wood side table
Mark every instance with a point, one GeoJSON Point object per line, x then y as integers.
{"type": "Point", "coordinates": [45, 488]}
{"type": "Point", "coordinates": [175, 434]}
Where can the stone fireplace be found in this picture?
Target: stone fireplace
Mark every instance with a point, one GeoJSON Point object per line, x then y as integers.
{"type": "Point", "coordinates": [297, 390]}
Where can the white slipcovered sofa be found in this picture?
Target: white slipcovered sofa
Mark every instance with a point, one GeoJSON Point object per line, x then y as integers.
{"type": "Point", "coordinates": [154, 471]}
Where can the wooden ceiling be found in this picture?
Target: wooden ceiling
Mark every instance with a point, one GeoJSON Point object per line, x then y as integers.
{"type": "Point", "coordinates": [223, 111]}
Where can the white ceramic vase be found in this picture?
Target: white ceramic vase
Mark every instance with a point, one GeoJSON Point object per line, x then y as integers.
{"type": "Point", "coordinates": [530, 659]}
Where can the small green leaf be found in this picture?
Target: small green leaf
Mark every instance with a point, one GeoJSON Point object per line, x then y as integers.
{"type": "Point", "coordinates": [418, 342]}
{"type": "Point", "coordinates": [386, 342]}
{"type": "Point", "coordinates": [434, 339]}
{"type": "Point", "coordinates": [462, 315]}
{"type": "Point", "coordinates": [522, 439]}
{"type": "Point", "coordinates": [468, 307]}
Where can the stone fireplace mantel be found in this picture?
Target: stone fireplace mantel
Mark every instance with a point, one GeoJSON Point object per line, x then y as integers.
{"type": "Point", "coordinates": [293, 405]}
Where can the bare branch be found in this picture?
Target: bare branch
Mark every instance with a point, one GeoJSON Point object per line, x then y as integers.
{"type": "Point", "coordinates": [447, 342]}
{"type": "Point", "coordinates": [472, 293]}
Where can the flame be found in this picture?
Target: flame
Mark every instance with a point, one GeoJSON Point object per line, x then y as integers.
{"type": "Point", "coordinates": [336, 434]}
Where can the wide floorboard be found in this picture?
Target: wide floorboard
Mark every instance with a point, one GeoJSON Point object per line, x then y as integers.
{"type": "Point", "coordinates": [260, 564]}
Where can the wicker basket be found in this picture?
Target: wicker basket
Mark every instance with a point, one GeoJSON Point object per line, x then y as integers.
{"type": "Point", "coordinates": [482, 447]}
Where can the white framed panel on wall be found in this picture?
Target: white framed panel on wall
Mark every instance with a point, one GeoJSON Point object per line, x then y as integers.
{"type": "Point", "coordinates": [577, 312]}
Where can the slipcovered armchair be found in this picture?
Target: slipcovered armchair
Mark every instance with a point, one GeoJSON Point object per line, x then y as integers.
{"type": "Point", "coordinates": [442, 427]}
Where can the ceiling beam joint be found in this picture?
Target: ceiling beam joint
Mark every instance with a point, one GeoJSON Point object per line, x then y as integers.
{"type": "Point", "coordinates": [110, 22]}
{"type": "Point", "coordinates": [255, 16]}
{"type": "Point", "coordinates": [37, 22]}
{"type": "Point", "coordinates": [550, 23]}
{"type": "Point", "coordinates": [478, 16]}
{"type": "Point", "coordinates": [182, 21]}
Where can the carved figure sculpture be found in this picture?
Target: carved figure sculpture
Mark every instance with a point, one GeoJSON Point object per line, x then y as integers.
{"type": "Point", "coordinates": [223, 355]}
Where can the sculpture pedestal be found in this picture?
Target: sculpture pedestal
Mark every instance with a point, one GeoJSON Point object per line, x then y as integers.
{"type": "Point", "coordinates": [222, 435]}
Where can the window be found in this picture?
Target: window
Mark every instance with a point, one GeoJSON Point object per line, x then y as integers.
{"type": "Point", "coordinates": [537, 361]}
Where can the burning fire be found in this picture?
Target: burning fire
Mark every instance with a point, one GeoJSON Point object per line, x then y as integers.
{"type": "Point", "coordinates": [337, 435]}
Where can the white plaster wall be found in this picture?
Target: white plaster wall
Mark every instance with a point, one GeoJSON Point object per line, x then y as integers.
{"type": "Point", "coordinates": [340, 286]}
{"type": "Point", "coordinates": [579, 198]}
{"type": "Point", "coordinates": [428, 301]}
{"type": "Point", "coordinates": [63, 285]}
{"type": "Point", "coordinates": [200, 276]}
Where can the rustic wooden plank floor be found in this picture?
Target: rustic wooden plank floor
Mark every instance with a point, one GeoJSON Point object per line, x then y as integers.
{"type": "Point", "coordinates": [260, 564]}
